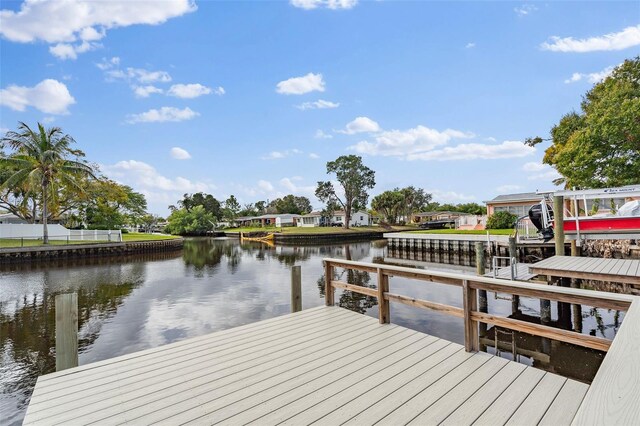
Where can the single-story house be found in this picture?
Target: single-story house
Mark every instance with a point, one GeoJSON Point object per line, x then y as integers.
{"type": "Point", "coordinates": [10, 218]}
{"type": "Point", "coordinates": [278, 220]}
{"type": "Point", "coordinates": [360, 218]}
{"type": "Point", "coordinates": [518, 204]}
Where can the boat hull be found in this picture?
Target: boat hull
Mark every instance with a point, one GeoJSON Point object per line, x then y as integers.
{"type": "Point", "coordinates": [621, 224]}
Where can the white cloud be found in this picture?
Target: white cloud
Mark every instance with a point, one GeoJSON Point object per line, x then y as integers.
{"type": "Point", "coordinates": [594, 77]}
{"type": "Point", "coordinates": [404, 143]}
{"type": "Point", "coordinates": [450, 196]}
{"type": "Point", "coordinates": [539, 171]}
{"type": "Point", "coordinates": [532, 166]}
{"type": "Point", "coordinates": [179, 153]}
{"type": "Point", "coordinates": [624, 39]}
{"type": "Point", "coordinates": [49, 96]}
{"type": "Point", "coordinates": [107, 64]}
{"type": "Point", "coordinates": [319, 104]}
{"type": "Point", "coordinates": [70, 51]}
{"type": "Point", "coordinates": [314, 156]}
{"type": "Point", "coordinates": [301, 85]}
{"type": "Point", "coordinates": [189, 91]}
{"type": "Point", "coordinates": [48, 120]}
{"type": "Point", "coordinates": [219, 91]}
{"type": "Point", "coordinates": [74, 26]}
{"type": "Point", "coordinates": [145, 91]}
{"type": "Point", "coordinates": [144, 176]}
{"type": "Point", "coordinates": [525, 9]}
{"type": "Point", "coordinates": [265, 185]}
{"type": "Point", "coordinates": [329, 4]}
{"type": "Point", "coordinates": [476, 151]}
{"type": "Point", "coordinates": [470, 46]}
{"type": "Point", "coordinates": [276, 155]}
{"type": "Point", "coordinates": [321, 135]}
{"type": "Point", "coordinates": [290, 185]}
{"type": "Point", "coordinates": [361, 125]}
{"type": "Point", "coordinates": [508, 188]}
{"type": "Point", "coordinates": [163, 114]}
{"type": "Point", "coordinates": [140, 75]}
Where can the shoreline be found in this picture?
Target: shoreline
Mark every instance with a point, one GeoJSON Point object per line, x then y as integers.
{"type": "Point", "coordinates": [45, 253]}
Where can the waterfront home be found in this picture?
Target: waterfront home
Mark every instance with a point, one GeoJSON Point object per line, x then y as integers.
{"type": "Point", "coordinates": [278, 220]}
{"type": "Point", "coordinates": [360, 218]}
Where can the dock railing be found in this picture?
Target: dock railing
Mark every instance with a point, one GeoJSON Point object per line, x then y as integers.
{"type": "Point", "coordinates": [615, 391]}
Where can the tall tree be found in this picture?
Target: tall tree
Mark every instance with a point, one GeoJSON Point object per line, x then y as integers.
{"type": "Point", "coordinates": [208, 201]}
{"type": "Point", "coordinates": [42, 161]}
{"type": "Point", "coordinates": [355, 179]}
{"type": "Point", "coordinates": [291, 204]}
{"type": "Point", "coordinates": [388, 204]}
{"type": "Point", "coordinates": [231, 207]}
{"type": "Point", "coordinates": [600, 145]}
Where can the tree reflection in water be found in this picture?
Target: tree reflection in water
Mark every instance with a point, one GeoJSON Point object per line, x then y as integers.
{"type": "Point", "coordinates": [348, 299]}
{"type": "Point", "coordinates": [27, 336]}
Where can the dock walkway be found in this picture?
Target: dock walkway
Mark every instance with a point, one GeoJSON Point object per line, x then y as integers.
{"type": "Point", "coordinates": [326, 365]}
{"type": "Point", "coordinates": [594, 268]}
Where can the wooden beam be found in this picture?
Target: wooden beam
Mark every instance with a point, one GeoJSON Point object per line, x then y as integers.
{"type": "Point", "coordinates": [425, 304]}
{"type": "Point", "coordinates": [296, 289]}
{"type": "Point", "coordinates": [328, 288]}
{"type": "Point", "coordinates": [66, 331]}
{"type": "Point", "coordinates": [470, 304]}
{"type": "Point", "coordinates": [558, 224]}
{"type": "Point", "coordinates": [544, 331]}
{"type": "Point", "coordinates": [383, 304]}
{"type": "Point", "coordinates": [568, 295]}
{"type": "Point", "coordinates": [355, 288]}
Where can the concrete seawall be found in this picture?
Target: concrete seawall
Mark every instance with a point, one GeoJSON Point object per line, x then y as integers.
{"type": "Point", "coordinates": [43, 253]}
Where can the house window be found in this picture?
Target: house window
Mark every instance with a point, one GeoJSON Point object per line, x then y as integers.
{"type": "Point", "coordinates": [361, 217]}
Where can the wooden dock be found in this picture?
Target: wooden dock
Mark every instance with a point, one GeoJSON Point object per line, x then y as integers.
{"type": "Point", "coordinates": [332, 366]}
{"type": "Point", "coordinates": [521, 272]}
{"type": "Point", "coordinates": [325, 364]}
{"type": "Point", "coordinates": [625, 271]}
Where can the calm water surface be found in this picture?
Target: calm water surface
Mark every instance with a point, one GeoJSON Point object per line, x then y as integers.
{"type": "Point", "coordinates": [134, 303]}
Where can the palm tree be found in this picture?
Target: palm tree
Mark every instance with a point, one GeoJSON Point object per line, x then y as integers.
{"type": "Point", "coordinates": [40, 162]}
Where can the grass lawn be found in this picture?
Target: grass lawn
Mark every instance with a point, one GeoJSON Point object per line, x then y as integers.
{"type": "Point", "coordinates": [318, 229]}
{"type": "Point", "coordinates": [132, 236]}
{"type": "Point", "coordinates": [466, 232]}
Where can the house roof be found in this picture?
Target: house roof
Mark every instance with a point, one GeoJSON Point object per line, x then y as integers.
{"type": "Point", "coordinates": [523, 196]}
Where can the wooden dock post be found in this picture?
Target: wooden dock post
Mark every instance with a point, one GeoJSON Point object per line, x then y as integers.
{"type": "Point", "coordinates": [558, 221]}
{"type": "Point", "coordinates": [483, 305]}
{"type": "Point", "coordinates": [66, 331]}
{"type": "Point", "coordinates": [296, 289]}
{"type": "Point", "coordinates": [383, 304]}
{"type": "Point", "coordinates": [470, 303]}
{"type": "Point", "coordinates": [513, 254]}
{"type": "Point", "coordinates": [328, 289]}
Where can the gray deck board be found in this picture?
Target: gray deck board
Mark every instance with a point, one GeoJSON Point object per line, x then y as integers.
{"type": "Point", "coordinates": [616, 270]}
{"type": "Point", "coordinates": [324, 365]}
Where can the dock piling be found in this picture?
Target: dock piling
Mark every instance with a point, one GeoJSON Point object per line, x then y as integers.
{"type": "Point", "coordinates": [296, 289]}
{"type": "Point", "coordinates": [66, 331]}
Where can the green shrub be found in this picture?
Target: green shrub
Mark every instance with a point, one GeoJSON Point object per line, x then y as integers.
{"type": "Point", "coordinates": [501, 220]}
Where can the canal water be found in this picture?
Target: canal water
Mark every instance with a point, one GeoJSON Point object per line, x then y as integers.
{"type": "Point", "coordinates": [127, 304]}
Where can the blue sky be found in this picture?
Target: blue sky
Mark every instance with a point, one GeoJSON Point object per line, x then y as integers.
{"type": "Point", "coordinates": [253, 98]}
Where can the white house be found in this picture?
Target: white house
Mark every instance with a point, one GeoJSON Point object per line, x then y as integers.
{"type": "Point", "coordinates": [315, 219]}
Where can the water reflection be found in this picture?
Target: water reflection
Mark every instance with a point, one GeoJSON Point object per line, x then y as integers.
{"type": "Point", "coordinates": [132, 303]}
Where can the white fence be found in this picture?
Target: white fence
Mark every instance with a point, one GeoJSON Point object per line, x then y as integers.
{"type": "Point", "coordinates": [56, 232]}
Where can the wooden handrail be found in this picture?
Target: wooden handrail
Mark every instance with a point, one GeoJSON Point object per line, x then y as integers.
{"type": "Point", "coordinates": [470, 285]}
{"type": "Point", "coordinates": [614, 393]}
